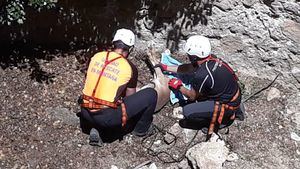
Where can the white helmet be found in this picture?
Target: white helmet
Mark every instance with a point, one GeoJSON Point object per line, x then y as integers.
{"type": "Point", "coordinates": [198, 45]}
{"type": "Point", "coordinates": [126, 36]}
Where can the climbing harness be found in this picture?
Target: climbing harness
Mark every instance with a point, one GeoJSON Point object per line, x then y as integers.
{"type": "Point", "coordinates": [218, 113]}
{"type": "Point", "coordinates": [217, 60]}
{"type": "Point", "coordinates": [220, 108]}
{"type": "Point", "coordinates": [96, 103]}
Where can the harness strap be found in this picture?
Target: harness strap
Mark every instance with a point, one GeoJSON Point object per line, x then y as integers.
{"type": "Point", "coordinates": [95, 103]}
{"type": "Point", "coordinates": [124, 114]}
{"type": "Point", "coordinates": [93, 106]}
{"type": "Point", "coordinates": [204, 60]}
{"type": "Point", "coordinates": [220, 62]}
{"type": "Point", "coordinates": [107, 62]}
{"type": "Point", "coordinates": [105, 104]}
{"type": "Point", "coordinates": [222, 112]}
{"type": "Point", "coordinates": [236, 95]}
{"type": "Point", "coordinates": [213, 121]}
{"type": "Point", "coordinates": [221, 115]}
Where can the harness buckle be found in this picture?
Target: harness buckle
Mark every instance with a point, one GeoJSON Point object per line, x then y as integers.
{"type": "Point", "coordinates": [91, 103]}
{"type": "Point", "coordinates": [120, 101]}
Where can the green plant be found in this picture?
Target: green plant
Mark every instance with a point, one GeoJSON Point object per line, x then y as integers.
{"type": "Point", "coordinates": [41, 4]}
{"type": "Point", "coordinates": [14, 10]}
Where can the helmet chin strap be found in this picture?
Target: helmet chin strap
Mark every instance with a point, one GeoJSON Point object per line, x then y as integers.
{"type": "Point", "coordinates": [122, 51]}
{"type": "Point", "coordinates": [130, 49]}
{"type": "Point", "coordinates": [193, 58]}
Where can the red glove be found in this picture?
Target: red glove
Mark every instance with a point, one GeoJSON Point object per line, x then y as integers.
{"type": "Point", "coordinates": [175, 83]}
{"type": "Point", "coordinates": [162, 66]}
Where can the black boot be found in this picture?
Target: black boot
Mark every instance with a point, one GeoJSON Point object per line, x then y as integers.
{"type": "Point", "coordinates": [95, 139]}
{"type": "Point", "coordinates": [149, 132]}
{"type": "Point", "coordinates": [240, 113]}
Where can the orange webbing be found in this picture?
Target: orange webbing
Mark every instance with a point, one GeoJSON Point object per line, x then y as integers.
{"type": "Point", "coordinates": [227, 67]}
{"type": "Point", "coordinates": [100, 104]}
{"type": "Point", "coordinates": [104, 104]}
{"type": "Point", "coordinates": [93, 106]}
{"type": "Point", "coordinates": [226, 106]}
{"type": "Point", "coordinates": [221, 62]}
{"type": "Point", "coordinates": [107, 62]}
{"type": "Point", "coordinates": [96, 101]}
{"type": "Point", "coordinates": [206, 59]}
{"type": "Point", "coordinates": [213, 121]}
{"type": "Point", "coordinates": [124, 114]}
{"type": "Point", "coordinates": [221, 115]}
{"type": "Point", "coordinates": [236, 95]}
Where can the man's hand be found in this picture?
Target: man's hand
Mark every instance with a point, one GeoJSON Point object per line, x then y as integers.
{"type": "Point", "coordinates": [175, 83]}
{"type": "Point", "coordinates": [162, 66]}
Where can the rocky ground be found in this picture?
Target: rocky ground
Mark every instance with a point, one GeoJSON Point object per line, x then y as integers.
{"type": "Point", "coordinates": [260, 39]}
{"type": "Point", "coordinates": [39, 128]}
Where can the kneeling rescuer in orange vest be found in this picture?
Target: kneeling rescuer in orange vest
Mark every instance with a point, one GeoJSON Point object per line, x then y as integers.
{"type": "Point", "coordinates": [109, 96]}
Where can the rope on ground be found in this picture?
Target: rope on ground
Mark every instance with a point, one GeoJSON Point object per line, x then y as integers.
{"type": "Point", "coordinates": [159, 153]}
{"type": "Point", "coordinates": [262, 89]}
{"type": "Point", "coordinates": [143, 164]}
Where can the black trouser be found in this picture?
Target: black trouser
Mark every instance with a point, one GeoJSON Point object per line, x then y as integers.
{"type": "Point", "coordinates": [198, 115]}
{"type": "Point", "coordinates": [139, 106]}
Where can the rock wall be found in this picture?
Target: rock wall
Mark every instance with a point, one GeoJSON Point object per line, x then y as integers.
{"type": "Point", "coordinates": [259, 38]}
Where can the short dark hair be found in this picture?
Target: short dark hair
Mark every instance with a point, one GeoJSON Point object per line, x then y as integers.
{"type": "Point", "coordinates": [120, 45]}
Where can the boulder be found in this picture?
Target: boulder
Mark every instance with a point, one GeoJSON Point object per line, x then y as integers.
{"type": "Point", "coordinates": [293, 109]}
{"type": "Point", "coordinates": [295, 136]}
{"type": "Point", "coordinates": [177, 131]}
{"type": "Point", "coordinates": [64, 115]}
{"type": "Point", "coordinates": [273, 93]}
{"type": "Point", "coordinates": [177, 113]}
{"type": "Point", "coordinates": [209, 155]}
{"type": "Point", "coordinates": [249, 3]}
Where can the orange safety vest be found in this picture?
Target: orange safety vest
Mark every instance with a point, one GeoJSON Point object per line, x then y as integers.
{"type": "Point", "coordinates": [106, 79]}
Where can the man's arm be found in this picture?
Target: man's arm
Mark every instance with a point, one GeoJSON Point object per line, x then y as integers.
{"type": "Point", "coordinates": [184, 68]}
{"type": "Point", "coordinates": [130, 91]}
{"type": "Point", "coordinates": [172, 69]}
{"type": "Point", "coordinates": [176, 84]}
{"type": "Point", "coordinates": [191, 94]}
{"type": "Point", "coordinates": [132, 84]}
